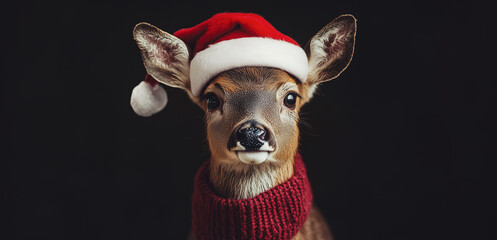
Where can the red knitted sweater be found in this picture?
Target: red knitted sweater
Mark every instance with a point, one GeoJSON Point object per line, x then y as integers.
{"type": "Point", "coordinates": [278, 213]}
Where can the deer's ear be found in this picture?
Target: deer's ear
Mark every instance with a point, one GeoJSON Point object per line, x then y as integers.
{"type": "Point", "coordinates": [165, 56]}
{"type": "Point", "coordinates": [331, 50]}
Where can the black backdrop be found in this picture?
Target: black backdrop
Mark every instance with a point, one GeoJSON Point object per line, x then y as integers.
{"type": "Point", "coordinates": [398, 147]}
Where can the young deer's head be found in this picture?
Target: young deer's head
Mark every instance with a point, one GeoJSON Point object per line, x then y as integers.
{"type": "Point", "coordinates": [251, 113]}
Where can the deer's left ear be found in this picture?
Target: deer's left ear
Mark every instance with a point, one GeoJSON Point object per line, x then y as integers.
{"type": "Point", "coordinates": [165, 56]}
{"type": "Point", "coordinates": [330, 51]}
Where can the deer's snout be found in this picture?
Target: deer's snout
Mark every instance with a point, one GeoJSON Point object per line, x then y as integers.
{"type": "Point", "coordinates": [251, 136]}
{"type": "Point", "coordinates": [252, 142]}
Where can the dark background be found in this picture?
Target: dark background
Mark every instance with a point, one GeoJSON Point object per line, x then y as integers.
{"type": "Point", "coordinates": [400, 146]}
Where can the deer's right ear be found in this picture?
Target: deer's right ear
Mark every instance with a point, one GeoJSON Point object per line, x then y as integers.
{"type": "Point", "coordinates": [165, 56]}
{"type": "Point", "coordinates": [330, 51]}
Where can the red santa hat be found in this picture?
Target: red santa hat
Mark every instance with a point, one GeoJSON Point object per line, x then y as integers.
{"type": "Point", "coordinates": [223, 42]}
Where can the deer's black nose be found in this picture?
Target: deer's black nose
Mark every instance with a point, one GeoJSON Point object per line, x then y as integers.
{"type": "Point", "coordinates": [252, 136]}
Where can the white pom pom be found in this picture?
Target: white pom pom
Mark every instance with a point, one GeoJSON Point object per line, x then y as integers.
{"type": "Point", "coordinates": [147, 100]}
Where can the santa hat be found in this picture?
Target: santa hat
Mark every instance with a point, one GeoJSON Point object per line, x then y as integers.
{"type": "Point", "coordinates": [223, 42]}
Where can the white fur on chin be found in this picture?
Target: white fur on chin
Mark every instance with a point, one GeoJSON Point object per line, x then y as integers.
{"type": "Point", "coordinates": [256, 157]}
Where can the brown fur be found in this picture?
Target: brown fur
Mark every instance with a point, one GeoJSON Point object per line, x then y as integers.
{"type": "Point", "coordinates": [237, 80]}
{"type": "Point", "coordinates": [253, 93]}
{"type": "Point", "coordinates": [315, 228]}
{"type": "Point", "coordinates": [257, 81]}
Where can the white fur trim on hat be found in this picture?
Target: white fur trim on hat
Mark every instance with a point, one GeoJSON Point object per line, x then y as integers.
{"type": "Point", "coordinates": [242, 52]}
{"type": "Point", "coordinates": [148, 99]}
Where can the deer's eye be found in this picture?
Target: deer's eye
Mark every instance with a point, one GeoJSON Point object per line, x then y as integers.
{"type": "Point", "coordinates": [212, 101]}
{"type": "Point", "coordinates": [290, 100]}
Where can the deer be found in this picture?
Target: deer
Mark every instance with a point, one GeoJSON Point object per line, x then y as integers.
{"type": "Point", "coordinates": [252, 121]}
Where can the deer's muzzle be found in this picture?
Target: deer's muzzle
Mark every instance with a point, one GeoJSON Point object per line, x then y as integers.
{"type": "Point", "coordinates": [252, 142]}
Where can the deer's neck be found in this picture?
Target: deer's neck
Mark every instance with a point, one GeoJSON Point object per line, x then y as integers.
{"type": "Point", "coordinates": [243, 181]}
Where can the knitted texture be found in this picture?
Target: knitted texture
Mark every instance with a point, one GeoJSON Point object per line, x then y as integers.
{"type": "Point", "coordinates": [278, 213]}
